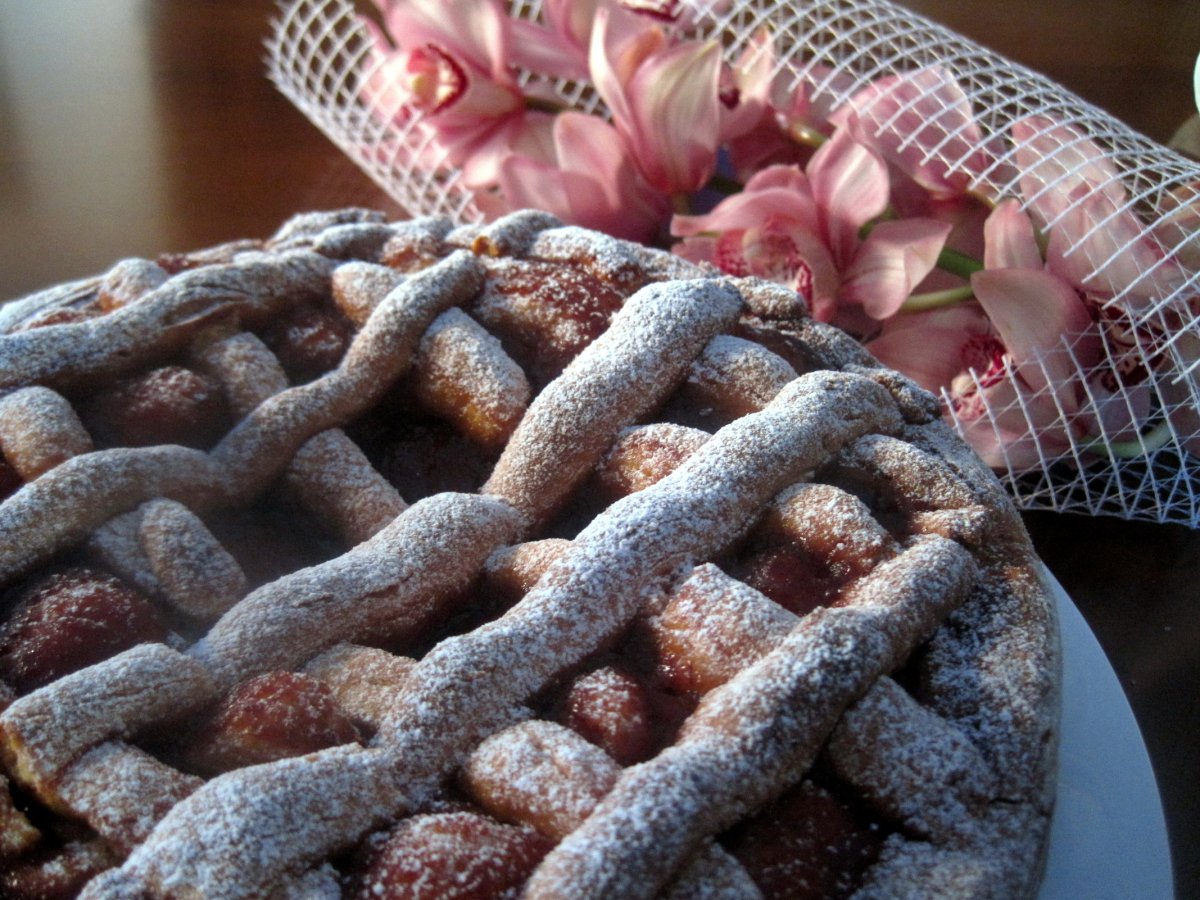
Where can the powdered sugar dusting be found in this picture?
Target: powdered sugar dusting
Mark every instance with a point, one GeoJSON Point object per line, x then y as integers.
{"type": "Point", "coordinates": [613, 261]}
{"type": "Point", "coordinates": [38, 430]}
{"type": "Point", "coordinates": [72, 499]}
{"type": "Point", "coordinates": [191, 569]}
{"type": "Point", "coordinates": [463, 374]}
{"type": "Point", "coordinates": [626, 372]}
{"type": "Point", "coordinates": [171, 314]}
{"type": "Point", "coordinates": [511, 235]}
{"type": "Point", "coordinates": [912, 764]}
{"type": "Point", "coordinates": [123, 792]}
{"type": "Point", "coordinates": [714, 626]}
{"type": "Point", "coordinates": [386, 585]}
{"type": "Point", "coordinates": [776, 686]}
{"type": "Point", "coordinates": [747, 735]}
{"type": "Point", "coordinates": [738, 374]}
{"type": "Point", "coordinates": [359, 286]}
{"type": "Point", "coordinates": [540, 773]}
{"type": "Point", "coordinates": [49, 729]}
{"type": "Point", "coordinates": [547, 776]}
{"type": "Point", "coordinates": [129, 280]}
{"type": "Point", "coordinates": [300, 812]}
{"type": "Point", "coordinates": [363, 679]}
{"type": "Point", "coordinates": [644, 454]}
{"type": "Point", "coordinates": [595, 589]}
{"type": "Point", "coordinates": [334, 479]}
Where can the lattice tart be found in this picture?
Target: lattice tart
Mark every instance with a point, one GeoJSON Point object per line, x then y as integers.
{"type": "Point", "coordinates": [409, 560]}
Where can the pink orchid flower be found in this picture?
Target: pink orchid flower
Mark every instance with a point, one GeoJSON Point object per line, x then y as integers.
{"type": "Point", "coordinates": [772, 230]}
{"type": "Point", "coordinates": [958, 353]}
{"type": "Point", "coordinates": [588, 179]}
{"type": "Point", "coordinates": [1178, 229]}
{"type": "Point", "coordinates": [1110, 351]}
{"type": "Point", "coordinates": [1096, 240]}
{"type": "Point", "coordinates": [923, 124]}
{"type": "Point", "coordinates": [459, 78]}
{"type": "Point", "coordinates": [663, 98]}
{"type": "Point", "coordinates": [1182, 396]}
{"type": "Point", "coordinates": [802, 227]}
{"type": "Point", "coordinates": [746, 86]}
{"type": "Point", "coordinates": [462, 46]}
{"type": "Point", "coordinates": [1011, 365]}
{"type": "Point", "coordinates": [558, 48]}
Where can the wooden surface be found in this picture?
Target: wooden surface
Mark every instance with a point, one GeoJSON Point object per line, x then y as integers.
{"type": "Point", "coordinates": [129, 128]}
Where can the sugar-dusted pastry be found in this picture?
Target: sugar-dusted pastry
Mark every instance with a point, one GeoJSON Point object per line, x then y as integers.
{"type": "Point", "coordinates": [408, 560]}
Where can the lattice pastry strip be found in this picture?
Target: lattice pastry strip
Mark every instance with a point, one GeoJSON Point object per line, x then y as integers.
{"type": "Point", "coordinates": [250, 391]}
{"type": "Point", "coordinates": [168, 552]}
{"type": "Point", "coordinates": [39, 430]}
{"type": "Point", "coordinates": [154, 788]}
{"type": "Point", "coordinates": [747, 735]}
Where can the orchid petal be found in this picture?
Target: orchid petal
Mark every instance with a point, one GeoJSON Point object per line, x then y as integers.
{"type": "Point", "coordinates": [850, 183]}
{"type": "Point", "coordinates": [923, 123]}
{"type": "Point", "coordinates": [891, 262]}
{"type": "Point", "coordinates": [591, 146]}
{"type": "Point", "coordinates": [584, 177]}
{"type": "Point", "coordinates": [1009, 239]}
{"type": "Point", "coordinates": [615, 53]}
{"type": "Point", "coordinates": [750, 80]}
{"type": "Point", "coordinates": [1182, 396]}
{"type": "Point", "coordinates": [777, 191]}
{"type": "Point", "coordinates": [586, 143]}
{"type": "Point", "coordinates": [473, 31]}
{"type": "Point", "coordinates": [528, 135]}
{"type": "Point", "coordinates": [1117, 415]}
{"type": "Point", "coordinates": [1178, 230]}
{"type": "Point", "coordinates": [1109, 251]}
{"type": "Point", "coordinates": [1033, 312]}
{"type": "Point", "coordinates": [748, 210]}
{"type": "Point", "coordinates": [1060, 166]}
{"type": "Point", "coordinates": [676, 116]}
{"type": "Point", "coordinates": [931, 356]}
{"type": "Point", "coordinates": [560, 47]}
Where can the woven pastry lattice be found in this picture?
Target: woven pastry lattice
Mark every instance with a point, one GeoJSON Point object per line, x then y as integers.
{"type": "Point", "coordinates": [1124, 438]}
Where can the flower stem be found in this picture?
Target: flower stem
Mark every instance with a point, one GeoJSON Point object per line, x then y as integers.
{"type": "Point", "coordinates": [1158, 436]}
{"type": "Point", "coordinates": [957, 263]}
{"type": "Point", "coordinates": [937, 299]}
{"type": "Point", "coordinates": [802, 134]}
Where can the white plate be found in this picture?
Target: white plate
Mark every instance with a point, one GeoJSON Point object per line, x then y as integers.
{"type": "Point", "coordinates": [1109, 837]}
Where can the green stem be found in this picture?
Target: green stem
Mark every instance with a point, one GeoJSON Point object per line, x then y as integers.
{"type": "Point", "coordinates": [802, 134]}
{"type": "Point", "coordinates": [958, 263]}
{"type": "Point", "coordinates": [937, 299]}
{"type": "Point", "coordinates": [1158, 436]}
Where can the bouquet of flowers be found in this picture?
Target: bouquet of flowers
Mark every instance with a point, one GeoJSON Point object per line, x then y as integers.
{"type": "Point", "coordinates": [1022, 254]}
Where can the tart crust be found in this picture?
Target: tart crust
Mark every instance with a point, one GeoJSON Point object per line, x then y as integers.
{"type": "Point", "coordinates": [644, 453]}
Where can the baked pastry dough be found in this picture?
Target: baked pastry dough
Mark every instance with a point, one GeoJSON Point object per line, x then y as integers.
{"type": "Point", "coordinates": [499, 560]}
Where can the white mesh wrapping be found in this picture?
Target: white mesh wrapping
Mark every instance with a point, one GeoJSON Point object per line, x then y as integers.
{"type": "Point", "coordinates": [1149, 300]}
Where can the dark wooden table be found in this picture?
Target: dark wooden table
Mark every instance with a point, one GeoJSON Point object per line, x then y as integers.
{"type": "Point", "coordinates": [132, 127]}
